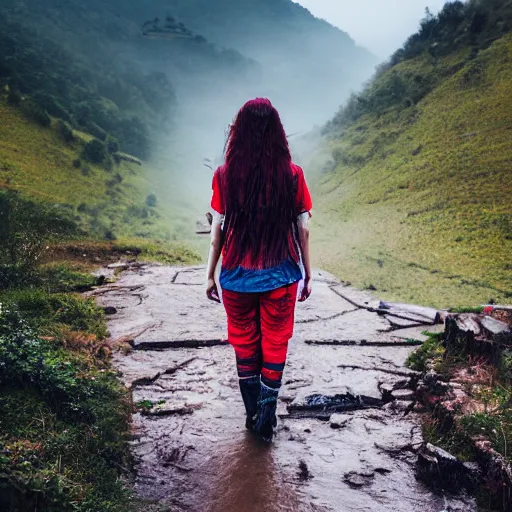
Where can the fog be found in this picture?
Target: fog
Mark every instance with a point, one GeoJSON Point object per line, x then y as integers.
{"type": "Point", "coordinates": [167, 77]}
{"type": "Point", "coordinates": [380, 26]}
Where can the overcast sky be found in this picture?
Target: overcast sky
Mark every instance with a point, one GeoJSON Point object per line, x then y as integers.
{"type": "Point", "coordinates": [382, 26]}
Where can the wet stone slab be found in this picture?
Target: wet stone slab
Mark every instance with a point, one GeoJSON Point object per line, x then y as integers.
{"type": "Point", "coordinates": [190, 446]}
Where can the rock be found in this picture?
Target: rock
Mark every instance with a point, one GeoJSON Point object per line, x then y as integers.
{"type": "Point", "coordinates": [338, 421]}
{"type": "Point", "coordinates": [497, 330]}
{"type": "Point", "coordinates": [442, 471]}
{"type": "Point", "coordinates": [358, 480]}
{"type": "Point", "coordinates": [404, 394]}
{"type": "Point", "coordinates": [416, 313]}
{"type": "Point", "coordinates": [169, 409]}
{"type": "Point", "coordinates": [118, 266]}
{"type": "Point", "coordinates": [399, 406]}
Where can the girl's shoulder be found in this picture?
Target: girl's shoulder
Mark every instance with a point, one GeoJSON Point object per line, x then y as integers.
{"type": "Point", "coordinates": [296, 169]}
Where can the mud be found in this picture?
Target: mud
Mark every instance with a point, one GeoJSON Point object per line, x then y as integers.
{"type": "Point", "coordinates": [346, 441]}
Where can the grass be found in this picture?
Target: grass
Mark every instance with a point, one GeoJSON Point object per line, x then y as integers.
{"type": "Point", "coordinates": [425, 189]}
{"type": "Point", "coordinates": [36, 162]}
{"type": "Point", "coordinates": [64, 416]}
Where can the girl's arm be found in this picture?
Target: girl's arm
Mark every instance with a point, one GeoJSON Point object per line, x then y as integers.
{"type": "Point", "coordinates": [304, 244]}
{"type": "Point", "coordinates": [216, 242]}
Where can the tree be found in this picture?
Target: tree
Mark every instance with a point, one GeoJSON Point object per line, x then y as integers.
{"type": "Point", "coordinates": [94, 151]}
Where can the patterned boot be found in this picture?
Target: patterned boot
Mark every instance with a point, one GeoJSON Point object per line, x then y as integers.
{"type": "Point", "coordinates": [250, 389]}
{"type": "Point", "coordinates": [266, 419]}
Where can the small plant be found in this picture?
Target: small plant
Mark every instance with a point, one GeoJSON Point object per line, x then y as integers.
{"type": "Point", "coordinates": [77, 163]}
{"type": "Point", "coordinates": [429, 353]}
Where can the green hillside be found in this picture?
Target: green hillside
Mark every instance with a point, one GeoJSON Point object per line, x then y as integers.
{"type": "Point", "coordinates": [416, 197]}
{"type": "Point", "coordinates": [108, 200]}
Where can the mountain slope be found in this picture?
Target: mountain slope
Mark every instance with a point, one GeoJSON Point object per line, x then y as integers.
{"type": "Point", "coordinates": [415, 199]}
{"type": "Point", "coordinates": [308, 66]}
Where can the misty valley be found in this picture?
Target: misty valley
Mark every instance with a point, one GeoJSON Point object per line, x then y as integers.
{"type": "Point", "coordinates": [118, 388]}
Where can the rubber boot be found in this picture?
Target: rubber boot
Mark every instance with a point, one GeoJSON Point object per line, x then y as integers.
{"type": "Point", "coordinates": [250, 389]}
{"type": "Point", "coordinates": [266, 419]}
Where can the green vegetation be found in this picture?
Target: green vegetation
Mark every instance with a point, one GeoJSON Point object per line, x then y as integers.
{"type": "Point", "coordinates": [63, 414]}
{"type": "Point", "coordinates": [484, 411]}
{"type": "Point", "coordinates": [53, 172]}
{"type": "Point", "coordinates": [430, 353]}
{"type": "Point", "coordinates": [415, 197]}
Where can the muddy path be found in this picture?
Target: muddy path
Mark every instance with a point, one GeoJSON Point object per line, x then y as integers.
{"type": "Point", "coordinates": [348, 433]}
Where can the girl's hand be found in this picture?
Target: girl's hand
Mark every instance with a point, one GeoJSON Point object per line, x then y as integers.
{"type": "Point", "coordinates": [306, 290]}
{"type": "Point", "coordinates": [212, 292]}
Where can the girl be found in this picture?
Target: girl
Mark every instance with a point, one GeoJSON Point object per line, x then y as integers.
{"type": "Point", "coordinates": [262, 205]}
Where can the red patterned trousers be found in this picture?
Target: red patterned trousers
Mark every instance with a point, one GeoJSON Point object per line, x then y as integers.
{"type": "Point", "coordinates": [260, 326]}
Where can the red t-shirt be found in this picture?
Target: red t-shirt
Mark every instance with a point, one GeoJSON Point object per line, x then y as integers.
{"type": "Point", "coordinates": [303, 201]}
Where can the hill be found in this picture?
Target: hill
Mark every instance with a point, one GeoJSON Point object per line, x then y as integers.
{"type": "Point", "coordinates": [414, 198]}
{"type": "Point", "coordinates": [308, 66]}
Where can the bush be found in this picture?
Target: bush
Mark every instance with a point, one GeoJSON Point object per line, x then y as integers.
{"type": "Point", "coordinates": [65, 131]}
{"type": "Point", "coordinates": [430, 352]}
{"type": "Point", "coordinates": [27, 226]}
{"type": "Point", "coordinates": [14, 97]}
{"type": "Point", "coordinates": [112, 146]}
{"type": "Point", "coordinates": [34, 112]}
{"type": "Point", "coordinates": [151, 201]}
{"type": "Point", "coordinates": [77, 163]}
{"type": "Point", "coordinates": [94, 151]}
{"type": "Point", "coordinates": [96, 131]}
{"type": "Point", "coordinates": [85, 416]}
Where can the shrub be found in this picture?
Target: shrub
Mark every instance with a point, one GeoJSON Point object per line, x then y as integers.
{"type": "Point", "coordinates": [94, 151]}
{"type": "Point", "coordinates": [96, 131]}
{"type": "Point", "coordinates": [430, 352]}
{"type": "Point", "coordinates": [112, 146]}
{"type": "Point", "coordinates": [85, 416]}
{"type": "Point", "coordinates": [26, 227]}
{"type": "Point", "coordinates": [65, 131]}
{"type": "Point", "coordinates": [14, 97]}
{"type": "Point", "coordinates": [151, 200]}
{"type": "Point", "coordinates": [34, 112]}
{"type": "Point", "coordinates": [77, 163]}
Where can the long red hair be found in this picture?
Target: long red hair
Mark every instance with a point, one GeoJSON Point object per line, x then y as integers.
{"type": "Point", "coordinates": [260, 188]}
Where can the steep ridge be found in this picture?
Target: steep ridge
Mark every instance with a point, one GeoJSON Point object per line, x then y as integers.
{"type": "Point", "coordinates": [414, 196]}
{"type": "Point", "coordinates": [308, 65]}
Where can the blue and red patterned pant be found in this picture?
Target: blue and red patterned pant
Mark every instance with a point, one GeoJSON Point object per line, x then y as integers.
{"type": "Point", "coordinates": [260, 326]}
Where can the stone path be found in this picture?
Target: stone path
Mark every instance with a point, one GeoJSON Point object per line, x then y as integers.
{"type": "Point", "coordinates": [347, 436]}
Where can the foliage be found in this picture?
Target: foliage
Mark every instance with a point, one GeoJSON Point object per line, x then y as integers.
{"type": "Point", "coordinates": [151, 200]}
{"type": "Point", "coordinates": [26, 227]}
{"type": "Point", "coordinates": [69, 458]}
{"type": "Point", "coordinates": [34, 112]}
{"type": "Point", "coordinates": [467, 309]}
{"type": "Point", "coordinates": [65, 131]}
{"type": "Point", "coordinates": [423, 188]}
{"type": "Point", "coordinates": [457, 25]}
{"type": "Point", "coordinates": [428, 354]}
{"type": "Point", "coordinates": [66, 84]}
{"type": "Point", "coordinates": [49, 311]}
{"type": "Point", "coordinates": [94, 151]}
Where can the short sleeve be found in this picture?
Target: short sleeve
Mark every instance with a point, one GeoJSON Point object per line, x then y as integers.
{"type": "Point", "coordinates": [217, 202]}
{"type": "Point", "coordinates": [303, 201]}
